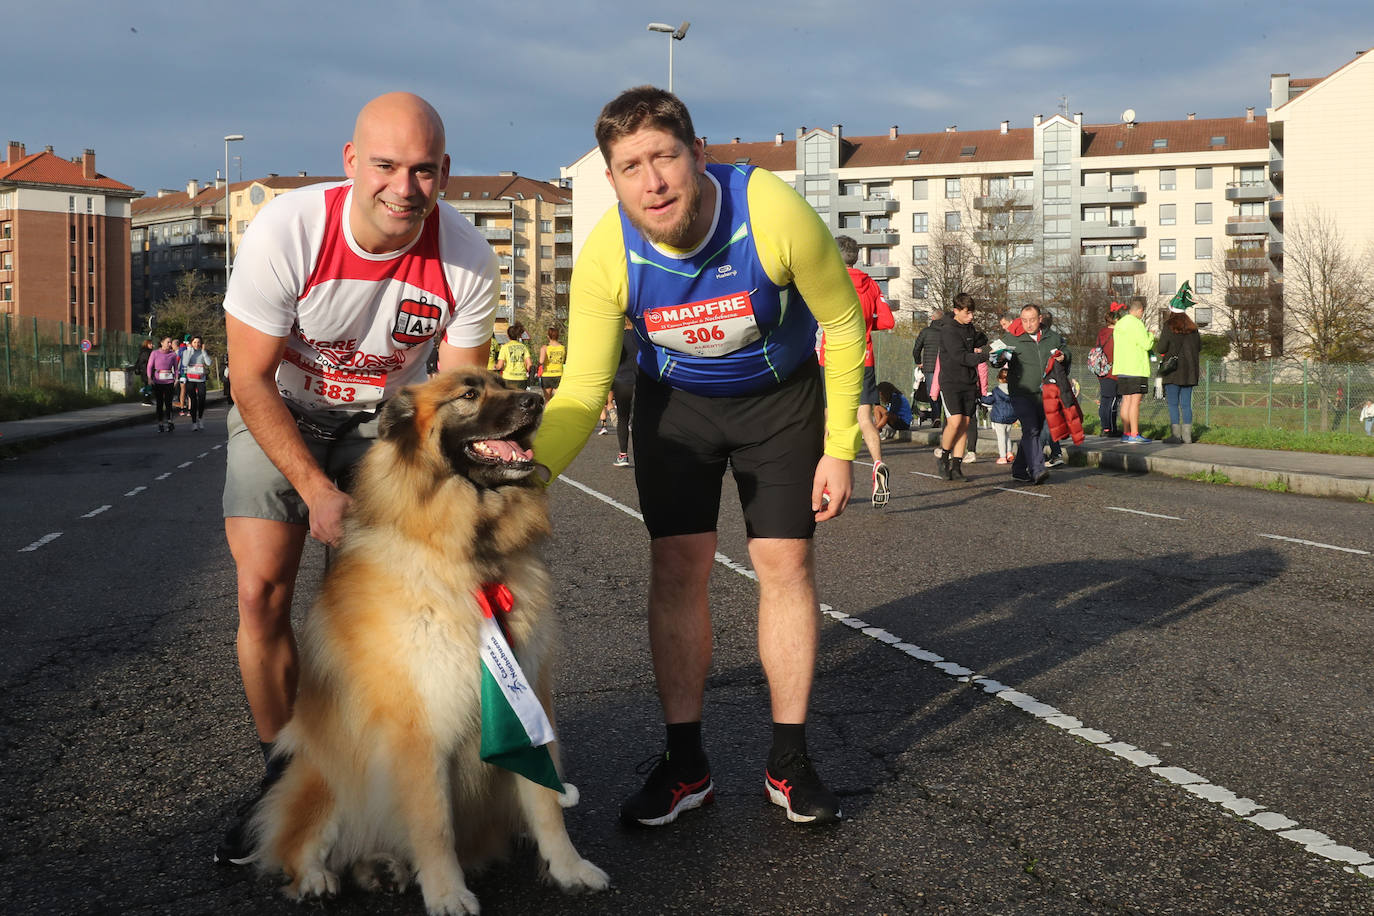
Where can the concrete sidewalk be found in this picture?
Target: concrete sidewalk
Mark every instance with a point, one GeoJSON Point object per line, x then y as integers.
{"type": "Point", "coordinates": [22, 435]}
{"type": "Point", "coordinates": [1298, 472]}
{"type": "Point", "coordinates": [1311, 474]}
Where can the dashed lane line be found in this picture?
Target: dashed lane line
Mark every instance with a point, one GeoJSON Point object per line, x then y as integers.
{"type": "Point", "coordinates": [163, 476]}
{"type": "Point", "coordinates": [1139, 512]}
{"type": "Point", "coordinates": [184, 464]}
{"type": "Point", "coordinates": [1313, 841]}
{"type": "Point", "coordinates": [94, 512]}
{"type": "Point", "coordinates": [1279, 537]}
{"type": "Point", "coordinates": [47, 538]}
{"type": "Point", "coordinates": [1024, 492]}
{"type": "Point", "coordinates": [135, 491]}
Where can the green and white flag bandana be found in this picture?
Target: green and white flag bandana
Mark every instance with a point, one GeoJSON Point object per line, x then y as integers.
{"type": "Point", "coordinates": [515, 730]}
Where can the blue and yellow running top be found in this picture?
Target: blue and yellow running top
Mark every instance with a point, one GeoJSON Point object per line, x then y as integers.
{"type": "Point", "coordinates": [736, 314]}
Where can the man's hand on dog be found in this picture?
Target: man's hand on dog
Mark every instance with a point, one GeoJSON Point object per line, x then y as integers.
{"type": "Point", "coordinates": [832, 488]}
{"type": "Point", "coordinates": [326, 515]}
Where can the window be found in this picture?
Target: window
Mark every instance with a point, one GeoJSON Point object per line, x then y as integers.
{"type": "Point", "coordinates": [879, 257]}
{"type": "Point", "coordinates": [920, 189]}
{"type": "Point", "coordinates": [1202, 283]}
{"type": "Point", "coordinates": [73, 299]}
{"type": "Point", "coordinates": [1123, 216]}
{"type": "Point", "coordinates": [545, 276]}
{"type": "Point", "coordinates": [920, 222]}
{"type": "Point", "coordinates": [1251, 176]}
{"type": "Point", "coordinates": [1095, 179]}
{"type": "Point", "coordinates": [6, 230]}
{"type": "Point", "coordinates": [90, 235]}
{"type": "Point", "coordinates": [90, 265]}
{"type": "Point", "coordinates": [1202, 214]}
{"type": "Point", "coordinates": [816, 155]}
{"type": "Point", "coordinates": [6, 200]}
{"type": "Point", "coordinates": [1168, 284]}
{"type": "Point", "coordinates": [546, 225]}
{"type": "Point", "coordinates": [73, 263]}
{"type": "Point", "coordinates": [520, 224]}
{"type": "Point", "coordinates": [1168, 214]}
{"type": "Point", "coordinates": [1202, 178]}
{"type": "Point", "coordinates": [71, 203]}
{"type": "Point", "coordinates": [849, 221]}
{"type": "Point", "coordinates": [90, 295]}
{"type": "Point", "coordinates": [920, 288]}
{"type": "Point", "coordinates": [1252, 211]}
{"type": "Point", "coordinates": [952, 220]}
{"type": "Point", "coordinates": [1123, 252]}
{"type": "Point", "coordinates": [1056, 218]}
{"type": "Point", "coordinates": [952, 188]}
{"type": "Point", "coordinates": [1123, 286]}
{"type": "Point", "coordinates": [1168, 179]}
{"type": "Point", "coordinates": [1123, 181]}
{"type": "Point", "coordinates": [849, 189]}
{"type": "Point", "coordinates": [1094, 214]}
{"type": "Point", "coordinates": [818, 193]}
{"type": "Point", "coordinates": [1218, 141]}
{"type": "Point", "coordinates": [1023, 182]}
{"type": "Point", "coordinates": [7, 260]}
{"type": "Point", "coordinates": [1167, 249]}
{"type": "Point", "coordinates": [913, 154]}
{"type": "Point", "coordinates": [7, 293]}
{"type": "Point", "coordinates": [1160, 143]}
{"type": "Point", "coordinates": [878, 190]}
{"type": "Point", "coordinates": [920, 254]}
{"type": "Point", "coordinates": [968, 151]}
{"type": "Point", "coordinates": [546, 251]}
{"type": "Point", "coordinates": [999, 187]}
{"type": "Point", "coordinates": [73, 235]}
{"type": "Point", "coordinates": [879, 223]}
{"type": "Point", "coordinates": [520, 251]}
{"type": "Point", "coordinates": [1202, 249]}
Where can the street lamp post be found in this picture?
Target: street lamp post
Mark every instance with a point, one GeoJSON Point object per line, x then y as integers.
{"type": "Point", "coordinates": [674, 34]}
{"type": "Point", "coordinates": [228, 220]}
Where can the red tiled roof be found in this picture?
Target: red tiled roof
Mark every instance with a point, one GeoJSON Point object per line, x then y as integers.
{"type": "Point", "coordinates": [208, 197]}
{"type": "Point", "coordinates": [47, 168]}
{"type": "Point", "coordinates": [1306, 82]}
{"type": "Point", "coordinates": [1016, 144]}
{"type": "Point", "coordinates": [496, 187]}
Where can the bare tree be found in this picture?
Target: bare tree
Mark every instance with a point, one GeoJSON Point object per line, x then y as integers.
{"type": "Point", "coordinates": [194, 307]}
{"type": "Point", "coordinates": [1247, 301]}
{"type": "Point", "coordinates": [1081, 296]}
{"type": "Point", "coordinates": [1010, 263]}
{"type": "Point", "coordinates": [948, 268]}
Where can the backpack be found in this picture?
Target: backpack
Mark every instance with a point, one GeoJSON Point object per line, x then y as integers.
{"type": "Point", "coordinates": [1098, 362]}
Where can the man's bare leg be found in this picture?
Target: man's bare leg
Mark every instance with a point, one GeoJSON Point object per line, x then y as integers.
{"type": "Point", "coordinates": [680, 622]}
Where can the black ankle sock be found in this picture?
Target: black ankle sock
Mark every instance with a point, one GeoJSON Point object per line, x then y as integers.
{"type": "Point", "coordinates": [787, 739]}
{"type": "Point", "coordinates": [684, 741]}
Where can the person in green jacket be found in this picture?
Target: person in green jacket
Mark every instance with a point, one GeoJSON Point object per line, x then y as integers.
{"type": "Point", "coordinates": [1131, 346]}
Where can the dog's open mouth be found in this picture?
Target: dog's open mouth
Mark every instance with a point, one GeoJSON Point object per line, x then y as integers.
{"type": "Point", "coordinates": [503, 452]}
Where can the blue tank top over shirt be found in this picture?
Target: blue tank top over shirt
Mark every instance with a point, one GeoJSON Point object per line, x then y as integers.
{"type": "Point", "coordinates": [713, 323]}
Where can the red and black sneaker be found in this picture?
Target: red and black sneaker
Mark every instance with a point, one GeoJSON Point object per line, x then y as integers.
{"type": "Point", "coordinates": [792, 783]}
{"type": "Point", "coordinates": [673, 786]}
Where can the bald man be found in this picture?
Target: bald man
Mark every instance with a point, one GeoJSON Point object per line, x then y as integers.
{"type": "Point", "coordinates": [337, 292]}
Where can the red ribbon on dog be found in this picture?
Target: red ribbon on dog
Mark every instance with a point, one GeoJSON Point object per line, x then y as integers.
{"type": "Point", "coordinates": [493, 597]}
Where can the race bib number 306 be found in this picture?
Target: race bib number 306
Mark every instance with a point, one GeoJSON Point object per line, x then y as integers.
{"type": "Point", "coordinates": [711, 327]}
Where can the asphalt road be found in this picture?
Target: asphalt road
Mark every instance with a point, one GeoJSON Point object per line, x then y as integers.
{"type": "Point", "coordinates": [1113, 693]}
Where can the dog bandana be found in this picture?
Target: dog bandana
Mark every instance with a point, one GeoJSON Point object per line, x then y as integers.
{"type": "Point", "coordinates": [515, 730]}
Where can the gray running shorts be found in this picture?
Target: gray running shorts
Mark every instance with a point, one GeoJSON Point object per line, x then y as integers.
{"type": "Point", "coordinates": [254, 488]}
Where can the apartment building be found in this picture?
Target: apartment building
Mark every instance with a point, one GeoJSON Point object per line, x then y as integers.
{"type": "Point", "coordinates": [64, 240]}
{"type": "Point", "coordinates": [529, 225]}
{"type": "Point", "coordinates": [175, 232]}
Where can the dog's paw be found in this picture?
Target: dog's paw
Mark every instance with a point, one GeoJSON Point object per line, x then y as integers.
{"type": "Point", "coordinates": [579, 876]}
{"type": "Point", "coordinates": [569, 796]}
{"type": "Point", "coordinates": [458, 902]}
{"type": "Point", "coordinates": [313, 883]}
{"type": "Point", "coordinates": [381, 872]}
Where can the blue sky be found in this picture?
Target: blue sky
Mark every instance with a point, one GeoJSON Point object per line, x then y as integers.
{"type": "Point", "coordinates": [154, 87]}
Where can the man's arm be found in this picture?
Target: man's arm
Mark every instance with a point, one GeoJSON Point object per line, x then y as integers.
{"type": "Point", "coordinates": [256, 358]}
{"type": "Point", "coordinates": [451, 357]}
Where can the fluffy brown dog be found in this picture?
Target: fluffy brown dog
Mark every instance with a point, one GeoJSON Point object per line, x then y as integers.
{"type": "Point", "coordinates": [385, 775]}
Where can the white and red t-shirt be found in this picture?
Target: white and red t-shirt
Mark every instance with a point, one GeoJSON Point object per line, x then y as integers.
{"type": "Point", "coordinates": [358, 326]}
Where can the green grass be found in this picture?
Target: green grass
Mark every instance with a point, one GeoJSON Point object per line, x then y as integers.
{"type": "Point", "coordinates": [1209, 477]}
{"type": "Point", "coordinates": [23, 403]}
{"type": "Point", "coordinates": [1287, 440]}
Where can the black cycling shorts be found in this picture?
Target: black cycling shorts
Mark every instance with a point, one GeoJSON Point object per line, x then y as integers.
{"type": "Point", "coordinates": [1132, 384]}
{"type": "Point", "coordinates": [960, 403]}
{"type": "Point", "coordinates": [772, 441]}
{"type": "Point", "coordinates": [869, 393]}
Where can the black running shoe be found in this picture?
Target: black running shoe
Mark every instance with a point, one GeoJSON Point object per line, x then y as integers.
{"type": "Point", "coordinates": [236, 848]}
{"type": "Point", "coordinates": [792, 783]}
{"type": "Point", "coordinates": [671, 788]}
{"type": "Point", "coordinates": [881, 492]}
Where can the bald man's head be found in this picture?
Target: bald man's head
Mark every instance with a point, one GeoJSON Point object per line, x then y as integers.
{"type": "Point", "coordinates": [398, 165]}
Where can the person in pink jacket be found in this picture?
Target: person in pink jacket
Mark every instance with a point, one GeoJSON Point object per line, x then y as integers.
{"type": "Point", "coordinates": [162, 374]}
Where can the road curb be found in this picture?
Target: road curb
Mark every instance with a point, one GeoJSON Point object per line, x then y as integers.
{"type": "Point", "coordinates": [1282, 481]}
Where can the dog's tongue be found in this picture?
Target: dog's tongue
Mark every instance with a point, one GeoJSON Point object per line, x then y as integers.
{"type": "Point", "coordinates": [506, 450]}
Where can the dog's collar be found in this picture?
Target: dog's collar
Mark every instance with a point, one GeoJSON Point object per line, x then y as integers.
{"type": "Point", "coordinates": [493, 597]}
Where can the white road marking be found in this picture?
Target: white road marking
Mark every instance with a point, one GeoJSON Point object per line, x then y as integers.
{"type": "Point", "coordinates": [202, 454]}
{"type": "Point", "coordinates": [221, 445]}
{"type": "Point", "coordinates": [1279, 537]}
{"type": "Point", "coordinates": [1150, 514]}
{"type": "Point", "coordinates": [94, 512]}
{"type": "Point", "coordinates": [40, 542]}
{"type": "Point", "coordinates": [1023, 492]}
{"type": "Point", "coordinates": [184, 464]}
{"type": "Point", "coordinates": [1312, 841]}
{"type": "Point", "coordinates": [924, 474]}
{"type": "Point", "coordinates": [163, 476]}
{"type": "Point", "coordinates": [135, 491]}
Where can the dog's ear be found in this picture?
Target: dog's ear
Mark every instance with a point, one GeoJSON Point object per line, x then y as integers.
{"type": "Point", "coordinates": [398, 416]}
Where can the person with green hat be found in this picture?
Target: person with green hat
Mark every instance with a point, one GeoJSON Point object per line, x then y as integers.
{"type": "Point", "coordinates": [1179, 343]}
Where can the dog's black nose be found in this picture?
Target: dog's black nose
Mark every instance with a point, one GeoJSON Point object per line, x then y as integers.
{"type": "Point", "coordinates": [531, 401]}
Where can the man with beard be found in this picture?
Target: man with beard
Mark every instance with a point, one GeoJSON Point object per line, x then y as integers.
{"type": "Point", "coordinates": [723, 271]}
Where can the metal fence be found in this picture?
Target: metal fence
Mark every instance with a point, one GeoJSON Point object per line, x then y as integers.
{"type": "Point", "coordinates": [36, 352]}
{"type": "Point", "coordinates": [1295, 395]}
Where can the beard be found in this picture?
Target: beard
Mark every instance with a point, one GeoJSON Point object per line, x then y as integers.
{"type": "Point", "coordinates": [677, 234]}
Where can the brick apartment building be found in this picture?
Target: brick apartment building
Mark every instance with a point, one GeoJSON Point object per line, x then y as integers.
{"type": "Point", "coordinates": [64, 240]}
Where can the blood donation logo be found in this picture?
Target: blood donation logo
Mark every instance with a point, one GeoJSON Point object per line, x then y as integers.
{"type": "Point", "coordinates": [416, 322]}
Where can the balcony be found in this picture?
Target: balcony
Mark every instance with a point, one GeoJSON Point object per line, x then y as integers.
{"type": "Point", "coordinates": [493, 234]}
{"type": "Point", "coordinates": [563, 210]}
{"type": "Point", "coordinates": [1107, 264]}
{"type": "Point", "coordinates": [1131, 195]}
{"type": "Point", "coordinates": [561, 288]}
{"type": "Point", "coordinates": [505, 262]}
{"type": "Point", "coordinates": [1096, 230]}
{"type": "Point", "coordinates": [1276, 167]}
{"type": "Point", "coordinates": [878, 237]}
{"type": "Point", "coordinates": [857, 203]}
{"type": "Point", "coordinates": [1276, 249]}
{"type": "Point", "coordinates": [211, 238]}
{"type": "Point", "coordinates": [881, 271]}
{"type": "Point", "coordinates": [1247, 225]}
{"type": "Point", "coordinates": [1249, 190]}
{"type": "Point", "coordinates": [1005, 200]}
{"type": "Point", "coordinates": [562, 238]}
{"type": "Point", "coordinates": [506, 312]}
{"type": "Point", "coordinates": [1016, 232]}
{"type": "Point", "coordinates": [1247, 260]}
{"type": "Point", "coordinates": [1252, 296]}
{"type": "Point", "coordinates": [563, 263]}
{"type": "Point", "coordinates": [1276, 209]}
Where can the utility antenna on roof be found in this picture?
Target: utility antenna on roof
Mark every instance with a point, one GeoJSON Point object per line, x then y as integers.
{"type": "Point", "coordinates": [1064, 105]}
{"type": "Point", "coordinates": [1128, 116]}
